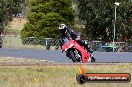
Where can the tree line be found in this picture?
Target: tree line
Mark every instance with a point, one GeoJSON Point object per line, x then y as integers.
{"type": "Point", "coordinates": [100, 17]}
{"type": "Point", "coordinates": [44, 16]}
{"type": "Point", "coordinates": [8, 9]}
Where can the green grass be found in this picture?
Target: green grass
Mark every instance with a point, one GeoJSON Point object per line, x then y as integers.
{"type": "Point", "coordinates": [15, 27]}
{"type": "Point", "coordinates": [16, 42]}
{"type": "Point", "coordinates": [57, 76]}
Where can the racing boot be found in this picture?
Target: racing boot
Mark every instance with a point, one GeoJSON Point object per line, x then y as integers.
{"type": "Point", "coordinates": [88, 49]}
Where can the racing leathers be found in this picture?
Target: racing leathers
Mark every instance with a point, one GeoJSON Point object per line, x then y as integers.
{"type": "Point", "coordinates": [66, 34]}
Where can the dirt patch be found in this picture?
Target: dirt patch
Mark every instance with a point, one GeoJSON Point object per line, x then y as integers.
{"type": "Point", "coordinates": [12, 61]}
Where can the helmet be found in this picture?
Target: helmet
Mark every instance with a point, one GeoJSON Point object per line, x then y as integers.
{"type": "Point", "coordinates": [62, 26]}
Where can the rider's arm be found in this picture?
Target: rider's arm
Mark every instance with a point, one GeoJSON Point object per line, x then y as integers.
{"type": "Point", "coordinates": [73, 34]}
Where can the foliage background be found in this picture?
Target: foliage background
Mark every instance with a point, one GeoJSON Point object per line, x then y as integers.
{"type": "Point", "coordinates": [8, 9]}
{"type": "Point", "coordinates": [99, 18]}
{"type": "Point", "coordinates": [45, 16]}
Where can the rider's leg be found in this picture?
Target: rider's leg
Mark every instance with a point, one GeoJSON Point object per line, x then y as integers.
{"type": "Point", "coordinates": [62, 41]}
{"type": "Point", "coordinates": [82, 43]}
{"type": "Point", "coordinates": [65, 40]}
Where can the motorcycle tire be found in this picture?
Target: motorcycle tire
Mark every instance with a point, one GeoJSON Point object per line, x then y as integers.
{"type": "Point", "coordinates": [72, 57]}
{"type": "Point", "coordinates": [93, 59]}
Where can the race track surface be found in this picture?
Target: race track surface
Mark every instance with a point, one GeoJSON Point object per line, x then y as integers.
{"type": "Point", "coordinates": [58, 57]}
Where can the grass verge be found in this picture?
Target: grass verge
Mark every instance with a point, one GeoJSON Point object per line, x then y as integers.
{"type": "Point", "coordinates": [57, 76]}
{"type": "Point", "coordinates": [13, 60]}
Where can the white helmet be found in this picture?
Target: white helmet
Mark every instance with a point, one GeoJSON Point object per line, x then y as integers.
{"type": "Point", "coordinates": [62, 26]}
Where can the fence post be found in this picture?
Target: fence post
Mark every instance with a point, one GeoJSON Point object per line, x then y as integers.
{"type": "Point", "coordinates": [46, 43]}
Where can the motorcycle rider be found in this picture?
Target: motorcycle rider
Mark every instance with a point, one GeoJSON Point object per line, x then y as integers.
{"type": "Point", "coordinates": [67, 33]}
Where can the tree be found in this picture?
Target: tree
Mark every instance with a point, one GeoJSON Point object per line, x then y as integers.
{"type": "Point", "coordinates": [99, 17]}
{"type": "Point", "coordinates": [45, 16]}
{"type": "Point", "coordinates": [8, 8]}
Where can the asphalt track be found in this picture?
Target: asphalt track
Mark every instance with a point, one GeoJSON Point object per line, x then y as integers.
{"type": "Point", "coordinates": [58, 57]}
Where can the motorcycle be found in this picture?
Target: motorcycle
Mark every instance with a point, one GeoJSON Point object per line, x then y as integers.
{"type": "Point", "coordinates": [76, 52]}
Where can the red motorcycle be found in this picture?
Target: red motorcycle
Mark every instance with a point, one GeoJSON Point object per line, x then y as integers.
{"type": "Point", "coordinates": [76, 52]}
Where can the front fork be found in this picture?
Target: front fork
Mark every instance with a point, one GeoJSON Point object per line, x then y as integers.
{"type": "Point", "coordinates": [68, 52]}
{"type": "Point", "coordinates": [75, 51]}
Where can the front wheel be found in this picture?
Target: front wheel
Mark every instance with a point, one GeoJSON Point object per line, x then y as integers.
{"type": "Point", "coordinates": [75, 57]}
{"type": "Point", "coordinates": [72, 56]}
